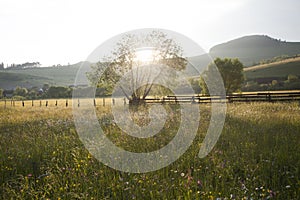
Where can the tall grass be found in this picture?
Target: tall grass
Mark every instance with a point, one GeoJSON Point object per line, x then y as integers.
{"type": "Point", "coordinates": [257, 156]}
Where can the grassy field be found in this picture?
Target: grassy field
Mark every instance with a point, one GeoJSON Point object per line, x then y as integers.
{"type": "Point", "coordinates": [256, 157]}
{"type": "Point", "coordinates": [279, 69]}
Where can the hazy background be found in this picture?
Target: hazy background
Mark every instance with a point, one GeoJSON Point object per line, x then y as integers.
{"type": "Point", "coordinates": [62, 32]}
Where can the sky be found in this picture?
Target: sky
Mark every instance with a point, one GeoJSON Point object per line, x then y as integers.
{"type": "Point", "coordinates": [66, 31]}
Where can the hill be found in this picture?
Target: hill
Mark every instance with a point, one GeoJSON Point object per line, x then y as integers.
{"type": "Point", "coordinates": [37, 77]}
{"type": "Point", "coordinates": [255, 48]}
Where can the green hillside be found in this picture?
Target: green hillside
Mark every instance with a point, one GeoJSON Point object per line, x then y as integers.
{"type": "Point", "coordinates": [279, 69]}
{"type": "Point", "coordinates": [36, 77]}
{"type": "Point", "coordinates": [11, 80]}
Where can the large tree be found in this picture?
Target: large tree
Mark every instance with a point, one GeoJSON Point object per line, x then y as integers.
{"type": "Point", "coordinates": [131, 56]}
{"type": "Point", "coordinates": [231, 70]}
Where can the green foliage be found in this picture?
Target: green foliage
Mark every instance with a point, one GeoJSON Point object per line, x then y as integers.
{"type": "Point", "coordinates": [20, 91]}
{"type": "Point", "coordinates": [231, 71]}
{"type": "Point", "coordinates": [1, 66]}
{"type": "Point", "coordinates": [59, 92]}
{"type": "Point", "coordinates": [292, 78]}
{"type": "Point", "coordinates": [257, 156]}
{"type": "Point", "coordinates": [195, 83]}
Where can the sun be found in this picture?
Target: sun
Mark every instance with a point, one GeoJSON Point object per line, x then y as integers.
{"type": "Point", "coordinates": [145, 55]}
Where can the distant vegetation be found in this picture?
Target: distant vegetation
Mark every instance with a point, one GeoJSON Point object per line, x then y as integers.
{"type": "Point", "coordinates": [23, 66]}
{"type": "Point", "coordinates": [231, 71]}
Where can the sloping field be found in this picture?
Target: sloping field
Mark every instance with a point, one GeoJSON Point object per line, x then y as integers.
{"type": "Point", "coordinates": [279, 69]}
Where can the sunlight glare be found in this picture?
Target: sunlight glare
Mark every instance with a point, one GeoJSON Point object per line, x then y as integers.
{"type": "Point", "coordinates": [145, 55]}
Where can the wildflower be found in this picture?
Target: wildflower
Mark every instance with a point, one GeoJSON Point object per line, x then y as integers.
{"type": "Point", "coordinates": [199, 183]}
{"type": "Point", "coordinates": [288, 186]}
{"type": "Point", "coordinates": [189, 177]}
{"type": "Point", "coordinates": [271, 193]}
{"type": "Point", "coordinates": [29, 175]}
{"type": "Point", "coordinates": [182, 174]}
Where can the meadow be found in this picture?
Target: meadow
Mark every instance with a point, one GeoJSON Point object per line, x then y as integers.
{"type": "Point", "coordinates": [256, 157]}
{"type": "Point", "coordinates": [279, 69]}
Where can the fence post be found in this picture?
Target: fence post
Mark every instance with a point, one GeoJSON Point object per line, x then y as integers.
{"type": "Point", "coordinates": [229, 99]}
{"type": "Point", "coordinates": [40, 103]}
{"type": "Point", "coordinates": [32, 103]}
{"type": "Point", "coordinates": [78, 103]}
{"type": "Point", "coordinates": [23, 103]}
{"type": "Point", "coordinates": [95, 102]}
{"type": "Point", "coordinates": [56, 103]}
{"type": "Point", "coordinates": [4, 103]}
{"type": "Point", "coordinates": [46, 103]}
{"type": "Point", "coordinates": [66, 102]}
{"type": "Point", "coordinates": [113, 102]}
{"type": "Point", "coordinates": [124, 101]}
{"type": "Point", "coordinates": [193, 99]}
{"type": "Point", "coordinates": [103, 101]}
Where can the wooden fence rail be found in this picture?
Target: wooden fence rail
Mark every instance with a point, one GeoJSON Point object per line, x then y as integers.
{"type": "Point", "coordinates": [241, 97]}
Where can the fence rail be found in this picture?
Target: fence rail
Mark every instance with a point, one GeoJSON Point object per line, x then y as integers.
{"type": "Point", "coordinates": [240, 97]}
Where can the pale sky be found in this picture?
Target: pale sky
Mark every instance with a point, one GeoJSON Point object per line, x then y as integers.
{"type": "Point", "coordinates": [61, 32]}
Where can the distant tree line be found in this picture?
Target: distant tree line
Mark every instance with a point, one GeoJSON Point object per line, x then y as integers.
{"type": "Point", "coordinates": [48, 91]}
{"type": "Point", "coordinates": [20, 66]}
{"type": "Point", "coordinates": [275, 59]}
{"type": "Point", "coordinates": [291, 82]}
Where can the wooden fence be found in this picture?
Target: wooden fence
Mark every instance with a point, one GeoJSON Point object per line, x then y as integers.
{"type": "Point", "coordinates": [237, 97]}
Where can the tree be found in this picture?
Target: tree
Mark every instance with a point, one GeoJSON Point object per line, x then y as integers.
{"type": "Point", "coordinates": [58, 92]}
{"type": "Point", "coordinates": [292, 78]}
{"type": "Point", "coordinates": [231, 71]}
{"type": "Point", "coordinates": [20, 91]}
{"type": "Point", "coordinates": [45, 87]}
{"type": "Point", "coordinates": [129, 58]}
{"type": "Point", "coordinates": [1, 93]}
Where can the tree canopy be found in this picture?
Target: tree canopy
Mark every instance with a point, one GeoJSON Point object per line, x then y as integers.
{"type": "Point", "coordinates": [131, 59]}
{"type": "Point", "coordinates": [231, 70]}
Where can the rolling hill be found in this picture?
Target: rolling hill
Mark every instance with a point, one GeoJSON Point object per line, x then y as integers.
{"type": "Point", "coordinates": [252, 49]}
{"type": "Point", "coordinates": [37, 77]}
